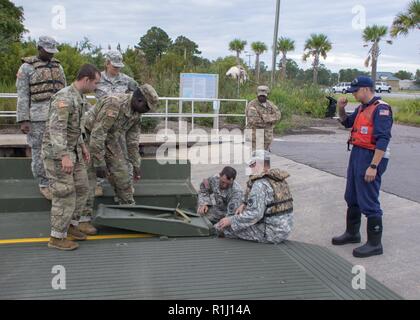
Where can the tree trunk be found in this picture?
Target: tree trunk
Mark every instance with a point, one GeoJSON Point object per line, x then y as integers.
{"type": "Point", "coordinates": [283, 67]}
{"type": "Point", "coordinates": [237, 58]}
{"type": "Point", "coordinates": [375, 54]}
{"type": "Point", "coordinates": [315, 65]}
{"type": "Point", "coordinates": [257, 67]}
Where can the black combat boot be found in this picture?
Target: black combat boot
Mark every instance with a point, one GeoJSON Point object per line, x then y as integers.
{"type": "Point", "coordinates": [373, 246]}
{"type": "Point", "coordinates": [352, 234]}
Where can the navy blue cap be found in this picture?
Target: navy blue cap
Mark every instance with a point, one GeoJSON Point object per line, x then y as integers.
{"type": "Point", "coordinates": [360, 82]}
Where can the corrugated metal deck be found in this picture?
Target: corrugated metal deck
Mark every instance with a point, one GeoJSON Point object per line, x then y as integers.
{"type": "Point", "coordinates": [193, 268]}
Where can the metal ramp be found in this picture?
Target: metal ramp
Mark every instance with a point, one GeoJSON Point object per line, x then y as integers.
{"type": "Point", "coordinates": [182, 268]}
{"type": "Point", "coordinates": [172, 222]}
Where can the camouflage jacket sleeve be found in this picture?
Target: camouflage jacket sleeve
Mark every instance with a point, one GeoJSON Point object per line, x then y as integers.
{"type": "Point", "coordinates": [204, 193]}
{"type": "Point", "coordinates": [235, 200]}
{"type": "Point", "coordinates": [255, 208]}
{"type": "Point", "coordinates": [132, 85]}
{"type": "Point", "coordinates": [133, 139]}
{"type": "Point", "coordinates": [58, 124]}
{"type": "Point", "coordinates": [273, 115]}
{"type": "Point", "coordinates": [104, 121]}
{"type": "Point", "coordinates": [24, 97]}
{"type": "Point", "coordinates": [253, 116]}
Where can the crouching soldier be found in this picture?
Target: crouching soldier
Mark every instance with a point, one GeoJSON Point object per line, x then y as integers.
{"type": "Point", "coordinates": [227, 195]}
{"type": "Point", "coordinates": [112, 117]}
{"type": "Point", "coordinates": [267, 213]}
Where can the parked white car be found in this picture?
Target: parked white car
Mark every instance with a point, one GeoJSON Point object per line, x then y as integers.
{"type": "Point", "coordinates": [341, 87]}
{"type": "Point", "coordinates": [382, 86]}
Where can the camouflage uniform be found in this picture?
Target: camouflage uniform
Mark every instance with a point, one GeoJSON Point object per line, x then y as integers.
{"type": "Point", "coordinates": [116, 85]}
{"type": "Point", "coordinates": [268, 216]}
{"type": "Point", "coordinates": [111, 118]}
{"type": "Point", "coordinates": [220, 202]}
{"type": "Point", "coordinates": [33, 100]}
{"type": "Point", "coordinates": [63, 137]}
{"type": "Point", "coordinates": [263, 117]}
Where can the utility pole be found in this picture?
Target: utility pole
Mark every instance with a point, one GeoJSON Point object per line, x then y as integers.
{"type": "Point", "coordinates": [275, 37]}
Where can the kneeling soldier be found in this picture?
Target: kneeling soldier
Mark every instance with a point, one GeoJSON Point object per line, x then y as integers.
{"type": "Point", "coordinates": [267, 215]}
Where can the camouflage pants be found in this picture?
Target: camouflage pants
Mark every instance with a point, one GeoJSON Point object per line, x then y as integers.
{"type": "Point", "coordinates": [264, 232]}
{"type": "Point", "coordinates": [123, 145]}
{"type": "Point", "coordinates": [119, 176]}
{"type": "Point", "coordinates": [214, 214]}
{"type": "Point", "coordinates": [90, 202]}
{"type": "Point", "coordinates": [35, 142]}
{"type": "Point", "coordinates": [268, 138]}
{"type": "Point", "coordinates": [69, 195]}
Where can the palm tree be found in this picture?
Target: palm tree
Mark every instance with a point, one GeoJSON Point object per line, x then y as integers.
{"type": "Point", "coordinates": [374, 34]}
{"type": "Point", "coordinates": [317, 45]}
{"type": "Point", "coordinates": [285, 45]}
{"type": "Point", "coordinates": [258, 47]}
{"type": "Point", "coordinates": [405, 21]}
{"type": "Point", "coordinates": [238, 46]}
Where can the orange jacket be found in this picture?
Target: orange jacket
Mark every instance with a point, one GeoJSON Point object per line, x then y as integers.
{"type": "Point", "coordinates": [361, 134]}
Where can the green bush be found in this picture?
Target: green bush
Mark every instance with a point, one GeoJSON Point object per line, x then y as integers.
{"type": "Point", "coordinates": [408, 112]}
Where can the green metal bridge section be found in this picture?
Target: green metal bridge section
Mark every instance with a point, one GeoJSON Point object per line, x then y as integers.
{"type": "Point", "coordinates": [157, 267]}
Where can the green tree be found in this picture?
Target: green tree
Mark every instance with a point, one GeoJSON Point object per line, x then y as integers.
{"type": "Point", "coordinates": [284, 45]}
{"type": "Point", "coordinates": [11, 60]}
{"type": "Point", "coordinates": [403, 75]}
{"type": "Point", "coordinates": [405, 21]}
{"type": "Point", "coordinates": [259, 48]}
{"type": "Point", "coordinates": [185, 47]}
{"type": "Point", "coordinates": [11, 23]}
{"type": "Point", "coordinates": [374, 34]}
{"type": "Point", "coordinates": [71, 59]}
{"type": "Point", "coordinates": [237, 45]}
{"type": "Point", "coordinates": [417, 77]}
{"type": "Point", "coordinates": [292, 69]}
{"type": "Point", "coordinates": [347, 75]}
{"type": "Point", "coordinates": [316, 46]}
{"type": "Point", "coordinates": [154, 44]}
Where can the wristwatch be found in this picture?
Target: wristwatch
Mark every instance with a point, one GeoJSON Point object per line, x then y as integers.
{"type": "Point", "coordinates": [373, 166]}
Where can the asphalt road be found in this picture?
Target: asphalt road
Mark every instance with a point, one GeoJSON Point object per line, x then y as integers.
{"type": "Point", "coordinates": [328, 152]}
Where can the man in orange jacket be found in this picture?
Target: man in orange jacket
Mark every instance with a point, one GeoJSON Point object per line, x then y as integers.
{"type": "Point", "coordinates": [370, 135]}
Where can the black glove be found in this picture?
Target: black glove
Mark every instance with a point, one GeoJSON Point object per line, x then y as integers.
{"type": "Point", "coordinates": [101, 172]}
{"type": "Point", "coordinates": [136, 173]}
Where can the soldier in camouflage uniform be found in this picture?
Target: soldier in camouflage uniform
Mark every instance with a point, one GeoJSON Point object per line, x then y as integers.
{"type": "Point", "coordinates": [112, 117]}
{"type": "Point", "coordinates": [227, 195]}
{"type": "Point", "coordinates": [267, 213]}
{"type": "Point", "coordinates": [114, 81]}
{"type": "Point", "coordinates": [64, 154]}
{"type": "Point", "coordinates": [262, 115]}
{"type": "Point", "coordinates": [38, 78]}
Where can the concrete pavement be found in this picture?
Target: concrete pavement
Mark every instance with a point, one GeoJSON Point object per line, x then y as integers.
{"type": "Point", "coordinates": [320, 214]}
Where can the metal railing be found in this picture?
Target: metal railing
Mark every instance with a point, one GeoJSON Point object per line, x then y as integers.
{"type": "Point", "coordinates": [193, 114]}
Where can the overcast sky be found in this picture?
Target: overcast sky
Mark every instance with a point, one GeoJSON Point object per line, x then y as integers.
{"type": "Point", "coordinates": [213, 23]}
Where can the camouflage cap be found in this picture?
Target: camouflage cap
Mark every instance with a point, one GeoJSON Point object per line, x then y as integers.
{"type": "Point", "coordinates": [263, 91]}
{"type": "Point", "coordinates": [259, 155]}
{"type": "Point", "coordinates": [115, 57]}
{"type": "Point", "coordinates": [151, 95]}
{"type": "Point", "coordinates": [48, 44]}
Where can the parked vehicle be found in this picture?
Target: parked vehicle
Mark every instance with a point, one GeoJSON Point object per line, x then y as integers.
{"type": "Point", "coordinates": [341, 87]}
{"type": "Point", "coordinates": [382, 86]}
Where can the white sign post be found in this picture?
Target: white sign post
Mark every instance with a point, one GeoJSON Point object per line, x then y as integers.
{"type": "Point", "coordinates": [200, 85]}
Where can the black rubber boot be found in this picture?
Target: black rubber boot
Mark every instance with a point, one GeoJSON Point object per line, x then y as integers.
{"type": "Point", "coordinates": [373, 246]}
{"type": "Point", "coordinates": [352, 233]}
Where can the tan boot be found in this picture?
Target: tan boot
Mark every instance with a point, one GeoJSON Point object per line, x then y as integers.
{"type": "Point", "coordinates": [87, 228]}
{"type": "Point", "coordinates": [99, 191]}
{"type": "Point", "coordinates": [45, 191]}
{"type": "Point", "coordinates": [62, 244]}
{"type": "Point", "coordinates": [75, 233]}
